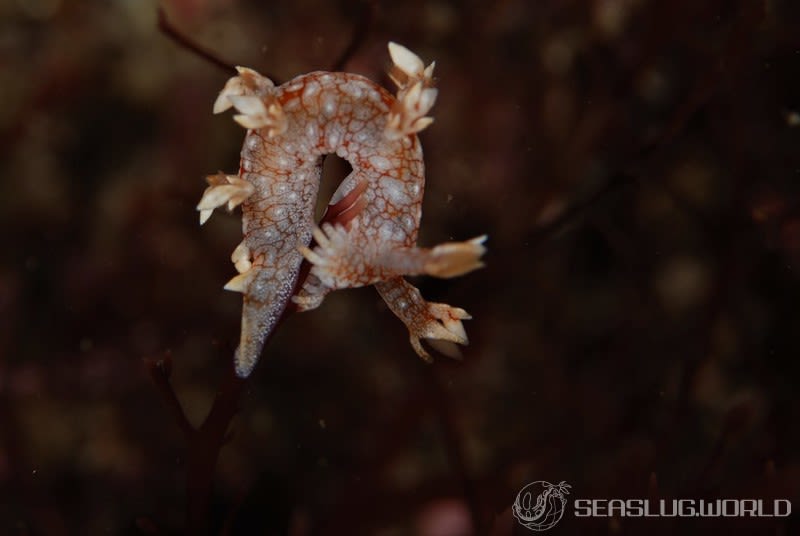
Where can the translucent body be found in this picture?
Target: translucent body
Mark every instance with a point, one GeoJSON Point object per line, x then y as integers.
{"type": "Point", "coordinates": [370, 230]}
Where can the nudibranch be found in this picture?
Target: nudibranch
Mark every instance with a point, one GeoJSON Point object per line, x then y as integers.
{"type": "Point", "coordinates": [369, 232]}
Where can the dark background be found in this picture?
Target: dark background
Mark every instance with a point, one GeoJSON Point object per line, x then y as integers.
{"type": "Point", "coordinates": [635, 165]}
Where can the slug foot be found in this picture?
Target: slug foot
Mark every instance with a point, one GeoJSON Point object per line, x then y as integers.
{"type": "Point", "coordinates": [436, 322]}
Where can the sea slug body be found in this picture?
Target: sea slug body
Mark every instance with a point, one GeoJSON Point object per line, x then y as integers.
{"type": "Point", "coordinates": [368, 235]}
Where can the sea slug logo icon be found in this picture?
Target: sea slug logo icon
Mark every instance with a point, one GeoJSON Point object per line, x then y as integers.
{"type": "Point", "coordinates": [540, 505]}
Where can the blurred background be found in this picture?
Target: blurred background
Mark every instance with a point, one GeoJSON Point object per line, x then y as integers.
{"type": "Point", "coordinates": [636, 167]}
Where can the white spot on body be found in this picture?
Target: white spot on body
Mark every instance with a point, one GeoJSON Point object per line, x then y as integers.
{"type": "Point", "coordinates": [352, 89]}
{"type": "Point", "coordinates": [395, 191]}
{"type": "Point", "coordinates": [333, 139]}
{"type": "Point", "coordinates": [261, 288]}
{"type": "Point", "coordinates": [342, 152]}
{"type": "Point", "coordinates": [362, 113]}
{"type": "Point", "coordinates": [386, 231]}
{"type": "Point", "coordinates": [329, 105]}
{"type": "Point", "coordinates": [310, 90]}
{"type": "Point", "coordinates": [380, 163]}
{"type": "Point", "coordinates": [311, 132]}
{"type": "Point", "coordinates": [291, 105]}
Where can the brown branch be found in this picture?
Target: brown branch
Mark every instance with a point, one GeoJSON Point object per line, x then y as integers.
{"type": "Point", "coordinates": [166, 27]}
{"type": "Point", "coordinates": [204, 451]}
{"type": "Point", "coordinates": [579, 209]}
{"type": "Point", "coordinates": [453, 447]}
{"type": "Point", "coordinates": [160, 371]}
{"type": "Point", "coordinates": [203, 444]}
{"type": "Point", "coordinates": [360, 32]}
{"type": "Point", "coordinates": [737, 45]}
